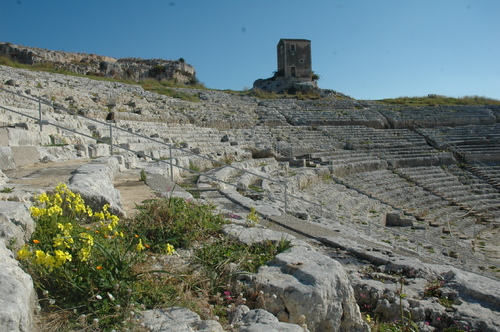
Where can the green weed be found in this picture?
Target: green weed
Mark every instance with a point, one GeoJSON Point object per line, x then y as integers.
{"type": "Point", "coordinates": [252, 218]}
{"type": "Point", "coordinates": [7, 190]}
{"type": "Point", "coordinates": [224, 257]}
{"type": "Point", "coordinates": [143, 177]}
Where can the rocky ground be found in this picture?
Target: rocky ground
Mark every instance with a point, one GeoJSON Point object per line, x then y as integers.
{"type": "Point", "coordinates": [349, 230]}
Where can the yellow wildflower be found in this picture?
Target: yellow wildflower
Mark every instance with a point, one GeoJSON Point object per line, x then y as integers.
{"type": "Point", "coordinates": [40, 256]}
{"type": "Point", "coordinates": [87, 238]}
{"type": "Point", "coordinates": [170, 249]}
{"type": "Point", "coordinates": [59, 241]}
{"type": "Point", "coordinates": [49, 262]}
{"type": "Point", "coordinates": [61, 257]}
{"type": "Point", "coordinates": [139, 246]}
{"type": "Point", "coordinates": [24, 253]}
{"type": "Point", "coordinates": [46, 260]}
{"type": "Point", "coordinates": [80, 207]}
{"type": "Point", "coordinates": [368, 318]}
{"type": "Point", "coordinates": [61, 187]}
{"type": "Point", "coordinates": [42, 198]}
{"type": "Point", "coordinates": [66, 228]}
{"type": "Point", "coordinates": [37, 212]}
{"type": "Point", "coordinates": [57, 199]}
{"type": "Point", "coordinates": [54, 211]}
{"type": "Point", "coordinates": [63, 241]}
{"type": "Point", "coordinates": [84, 254]}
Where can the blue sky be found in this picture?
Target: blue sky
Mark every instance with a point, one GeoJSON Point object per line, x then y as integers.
{"type": "Point", "coordinates": [364, 48]}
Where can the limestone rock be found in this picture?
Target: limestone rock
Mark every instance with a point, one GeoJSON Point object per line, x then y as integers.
{"type": "Point", "coordinates": [263, 153]}
{"type": "Point", "coordinates": [260, 320]}
{"type": "Point", "coordinates": [177, 320]}
{"type": "Point", "coordinates": [3, 178]}
{"type": "Point", "coordinates": [12, 82]}
{"type": "Point", "coordinates": [253, 235]}
{"type": "Point", "coordinates": [310, 288]}
{"type": "Point", "coordinates": [16, 224]}
{"type": "Point", "coordinates": [398, 219]}
{"type": "Point", "coordinates": [18, 295]}
{"type": "Point", "coordinates": [91, 64]}
{"type": "Point", "coordinates": [285, 86]}
{"type": "Point", "coordinates": [94, 182]}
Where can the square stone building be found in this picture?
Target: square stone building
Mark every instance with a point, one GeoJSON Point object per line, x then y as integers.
{"type": "Point", "coordinates": [294, 60]}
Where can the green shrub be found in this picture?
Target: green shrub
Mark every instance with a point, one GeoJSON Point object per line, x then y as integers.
{"type": "Point", "coordinates": [176, 221]}
{"type": "Point", "coordinates": [217, 256]}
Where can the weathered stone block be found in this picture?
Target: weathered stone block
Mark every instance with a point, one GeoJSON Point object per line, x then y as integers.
{"type": "Point", "coordinates": [25, 155]}
{"type": "Point", "coordinates": [18, 294]}
{"type": "Point", "coordinates": [398, 219]}
{"type": "Point", "coordinates": [16, 224]}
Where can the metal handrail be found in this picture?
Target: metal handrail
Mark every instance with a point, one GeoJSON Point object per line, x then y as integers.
{"type": "Point", "coordinates": [171, 147]}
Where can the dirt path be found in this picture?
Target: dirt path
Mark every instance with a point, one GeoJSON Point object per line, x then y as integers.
{"type": "Point", "coordinates": [132, 190]}
{"type": "Point", "coordinates": [45, 176]}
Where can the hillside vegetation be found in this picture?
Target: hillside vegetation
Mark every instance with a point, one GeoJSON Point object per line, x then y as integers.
{"type": "Point", "coordinates": [434, 100]}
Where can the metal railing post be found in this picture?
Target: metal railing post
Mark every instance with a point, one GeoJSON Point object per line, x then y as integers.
{"type": "Point", "coordinates": [286, 196]}
{"type": "Point", "coordinates": [171, 165]}
{"type": "Point", "coordinates": [40, 113]}
{"type": "Point", "coordinates": [111, 137]}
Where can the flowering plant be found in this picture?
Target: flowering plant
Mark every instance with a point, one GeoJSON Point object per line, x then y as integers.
{"type": "Point", "coordinates": [76, 253]}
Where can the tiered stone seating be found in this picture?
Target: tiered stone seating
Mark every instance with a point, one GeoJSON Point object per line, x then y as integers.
{"type": "Point", "coordinates": [399, 147]}
{"type": "Point", "coordinates": [490, 173]}
{"type": "Point", "coordinates": [400, 193]}
{"type": "Point", "coordinates": [331, 117]}
{"type": "Point", "coordinates": [437, 116]}
{"type": "Point", "coordinates": [474, 143]}
{"type": "Point", "coordinates": [346, 161]}
{"type": "Point", "coordinates": [457, 186]}
{"type": "Point", "coordinates": [298, 141]}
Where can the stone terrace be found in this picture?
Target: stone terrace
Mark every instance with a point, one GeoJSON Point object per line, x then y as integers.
{"type": "Point", "coordinates": [378, 151]}
{"type": "Point", "coordinates": [474, 143]}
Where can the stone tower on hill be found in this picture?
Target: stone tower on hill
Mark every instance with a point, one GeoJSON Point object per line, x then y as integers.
{"type": "Point", "coordinates": [294, 72]}
{"type": "Point", "coordinates": [294, 59]}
